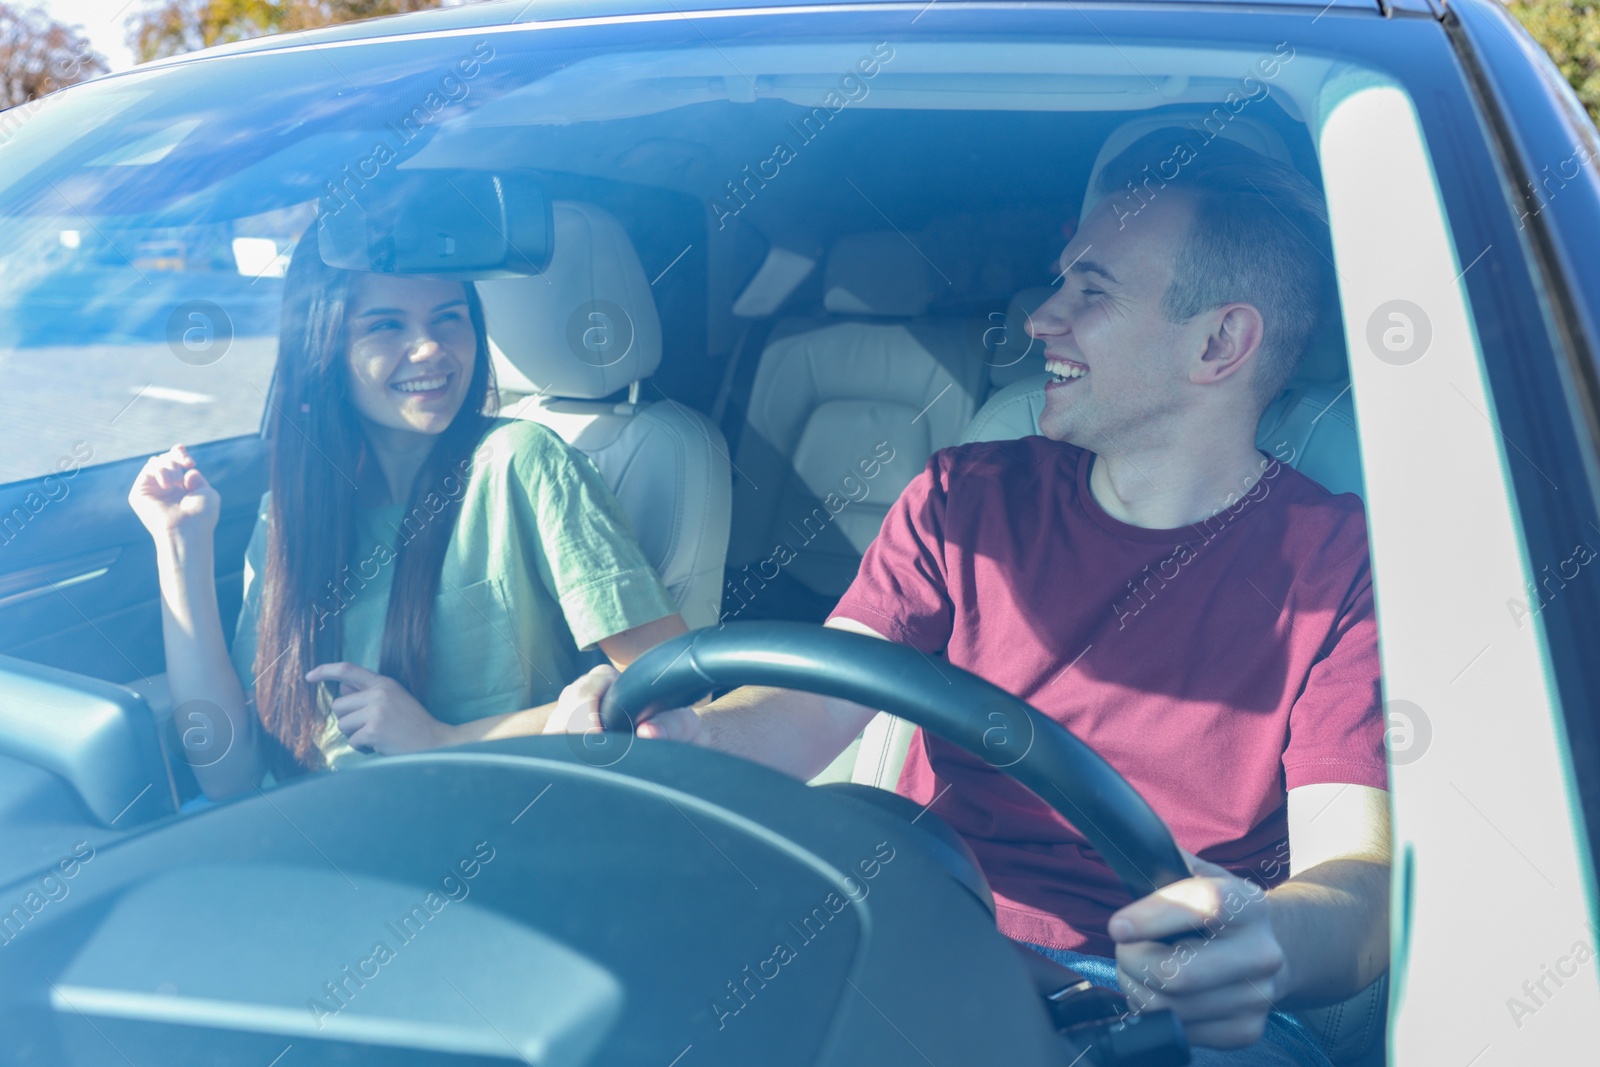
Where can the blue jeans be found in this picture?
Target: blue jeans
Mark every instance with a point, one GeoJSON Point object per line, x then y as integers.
{"type": "Point", "coordinates": [1285, 1042]}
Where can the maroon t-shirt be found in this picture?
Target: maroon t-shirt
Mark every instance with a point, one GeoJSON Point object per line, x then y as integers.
{"type": "Point", "coordinates": [1216, 666]}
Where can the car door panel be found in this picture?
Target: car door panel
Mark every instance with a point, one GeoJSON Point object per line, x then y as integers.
{"type": "Point", "coordinates": [78, 586]}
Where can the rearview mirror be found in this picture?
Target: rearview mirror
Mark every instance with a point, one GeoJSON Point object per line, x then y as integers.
{"type": "Point", "coordinates": [452, 223]}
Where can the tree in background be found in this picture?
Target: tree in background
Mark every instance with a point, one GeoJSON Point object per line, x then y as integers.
{"type": "Point", "coordinates": [168, 27]}
{"type": "Point", "coordinates": [39, 55]}
{"type": "Point", "coordinates": [1570, 31]}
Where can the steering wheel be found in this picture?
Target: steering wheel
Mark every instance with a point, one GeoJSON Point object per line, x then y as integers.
{"type": "Point", "coordinates": [943, 699]}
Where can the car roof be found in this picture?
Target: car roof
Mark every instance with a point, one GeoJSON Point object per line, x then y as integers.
{"type": "Point", "coordinates": [499, 13]}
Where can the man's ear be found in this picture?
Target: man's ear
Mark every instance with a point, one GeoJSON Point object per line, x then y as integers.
{"type": "Point", "coordinates": [1234, 340]}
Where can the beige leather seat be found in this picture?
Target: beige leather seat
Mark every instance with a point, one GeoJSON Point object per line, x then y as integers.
{"type": "Point", "coordinates": [565, 341]}
{"type": "Point", "coordinates": [873, 374]}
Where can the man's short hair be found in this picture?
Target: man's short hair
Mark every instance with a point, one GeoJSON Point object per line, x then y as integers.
{"type": "Point", "coordinates": [1259, 235]}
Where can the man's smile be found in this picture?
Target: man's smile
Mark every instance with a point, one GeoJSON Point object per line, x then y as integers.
{"type": "Point", "coordinates": [1064, 370]}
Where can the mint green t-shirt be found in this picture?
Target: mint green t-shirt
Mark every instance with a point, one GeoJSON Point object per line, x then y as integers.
{"type": "Point", "coordinates": [541, 565]}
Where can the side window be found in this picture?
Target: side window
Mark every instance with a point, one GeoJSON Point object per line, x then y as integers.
{"type": "Point", "coordinates": [118, 340]}
{"type": "Point", "coordinates": [1459, 594]}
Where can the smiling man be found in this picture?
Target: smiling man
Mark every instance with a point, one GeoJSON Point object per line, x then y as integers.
{"type": "Point", "coordinates": [1196, 611]}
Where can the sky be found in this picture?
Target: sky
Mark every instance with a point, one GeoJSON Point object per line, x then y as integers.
{"type": "Point", "coordinates": [104, 22]}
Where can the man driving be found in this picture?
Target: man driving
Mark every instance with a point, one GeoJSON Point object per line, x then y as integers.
{"type": "Point", "coordinates": [1194, 609]}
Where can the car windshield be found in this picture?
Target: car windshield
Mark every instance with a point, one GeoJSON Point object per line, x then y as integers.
{"type": "Point", "coordinates": [854, 315]}
{"type": "Point", "coordinates": [148, 220]}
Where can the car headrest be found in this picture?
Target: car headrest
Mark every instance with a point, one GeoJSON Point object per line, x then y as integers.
{"type": "Point", "coordinates": [1325, 359]}
{"type": "Point", "coordinates": [1206, 124]}
{"type": "Point", "coordinates": [587, 326]}
{"type": "Point", "coordinates": [1310, 426]}
{"type": "Point", "coordinates": [877, 273]}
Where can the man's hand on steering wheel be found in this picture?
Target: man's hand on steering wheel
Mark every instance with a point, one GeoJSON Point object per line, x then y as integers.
{"type": "Point", "coordinates": [1221, 981]}
{"type": "Point", "coordinates": [578, 711]}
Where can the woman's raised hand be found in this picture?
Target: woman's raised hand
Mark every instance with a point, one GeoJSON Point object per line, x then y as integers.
{"type": "Point", "coordinates": [171, 496]}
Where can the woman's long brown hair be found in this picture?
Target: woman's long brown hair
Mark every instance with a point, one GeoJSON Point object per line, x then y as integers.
{"type": "Point", "coordinates": [320, 454]}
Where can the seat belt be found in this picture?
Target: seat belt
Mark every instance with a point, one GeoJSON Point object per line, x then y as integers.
{"type": "Point", "coordinates": [719, 406]}
{"type": "Point", "coordinates": [738, 382]}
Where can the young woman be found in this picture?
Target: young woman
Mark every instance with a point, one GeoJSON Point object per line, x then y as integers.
{"type": "Point", "coordinates": [440, 568]}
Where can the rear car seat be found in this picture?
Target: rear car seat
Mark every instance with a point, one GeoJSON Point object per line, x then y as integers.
{"type": "Point", "coordinates": [872, 385]}
{"type": "Point", "coordinates": [563, 343]}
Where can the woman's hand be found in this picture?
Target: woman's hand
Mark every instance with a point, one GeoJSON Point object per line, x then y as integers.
{"type": "Point", "coordinates": [377, 714]}
{"type": "Point", "coordinates": [577, 711]}
{"type": "Point", "coordinates": [173, 499]}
